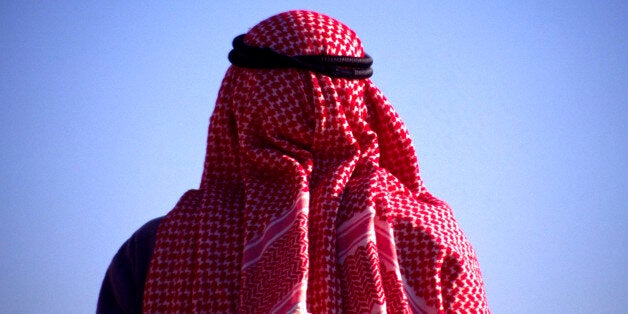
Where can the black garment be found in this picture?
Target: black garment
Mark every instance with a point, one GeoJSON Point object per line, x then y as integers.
{"type": "Point", "coordinates": [123, 287]}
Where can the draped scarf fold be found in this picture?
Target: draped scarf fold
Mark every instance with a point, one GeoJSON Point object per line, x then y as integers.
{"type": "Point", "coordinates": [310, 199]}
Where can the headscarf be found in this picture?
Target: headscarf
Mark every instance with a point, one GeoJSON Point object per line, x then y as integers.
{"type": "Point", "coordinates": [310, 199]}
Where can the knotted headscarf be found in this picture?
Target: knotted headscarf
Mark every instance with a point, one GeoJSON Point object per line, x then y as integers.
{"type": "Point", "coordinates": [310, 200]}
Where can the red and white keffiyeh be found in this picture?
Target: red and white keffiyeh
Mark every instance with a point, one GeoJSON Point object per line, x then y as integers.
{"type": "Point", "coordinates": [310, 200]}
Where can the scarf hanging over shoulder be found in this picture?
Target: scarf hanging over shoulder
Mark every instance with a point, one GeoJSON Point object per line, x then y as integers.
{"type": "Point", "coordinates": [311, 199]}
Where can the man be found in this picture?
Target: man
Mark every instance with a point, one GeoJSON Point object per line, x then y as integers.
{"type": "Point", "coordinates": [310, 200]}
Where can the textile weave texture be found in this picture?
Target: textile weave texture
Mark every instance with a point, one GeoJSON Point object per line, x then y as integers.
{"type": "Point", "coordinates": [310, 199]}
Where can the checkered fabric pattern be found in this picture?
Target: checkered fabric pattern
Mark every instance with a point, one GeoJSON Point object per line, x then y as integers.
{"type": "Point", "coordinates": [310, 200]}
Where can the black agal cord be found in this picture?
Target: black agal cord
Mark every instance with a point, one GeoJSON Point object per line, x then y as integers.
{"type": "Point", "coordinates": [247, 56]}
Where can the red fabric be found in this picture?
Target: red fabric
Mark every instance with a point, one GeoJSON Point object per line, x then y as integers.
{"type": "Point", "coordinates": [310, 200]}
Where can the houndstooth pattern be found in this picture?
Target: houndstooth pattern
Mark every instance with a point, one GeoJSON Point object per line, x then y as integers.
{"type": "Point", "coordinates": [310, 200]}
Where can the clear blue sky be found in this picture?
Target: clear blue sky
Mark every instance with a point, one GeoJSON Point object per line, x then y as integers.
{"type": "Point", "coordinates": [518, 111]}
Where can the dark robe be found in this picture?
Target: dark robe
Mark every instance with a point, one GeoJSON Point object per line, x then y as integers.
{"type": "Point", "coordinates": [123, 286]}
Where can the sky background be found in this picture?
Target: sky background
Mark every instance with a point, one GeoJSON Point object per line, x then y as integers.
{"type": "Point", "coordinates": [518, 111]}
